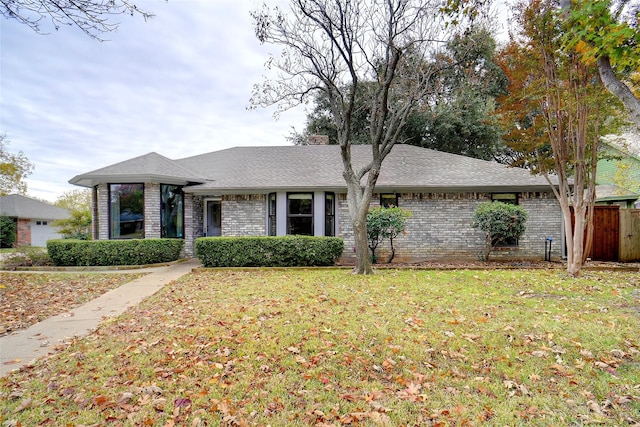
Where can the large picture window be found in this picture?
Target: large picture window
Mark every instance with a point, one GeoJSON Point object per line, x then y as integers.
{"type": "Point", "coordinates": [300, 214]}
{"type": "Point", "coordinates": [172, 211]}
{"type": "Point", "coordinates": [126, 210]}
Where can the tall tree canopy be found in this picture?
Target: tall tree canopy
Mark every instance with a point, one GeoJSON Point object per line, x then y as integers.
{"type": "Point", "coordinates": [554, 113]}
{"type": "Point", "coordinates": [455, 117]}
{"type": "Point", "coordinates": [93, 17]}
{"type": "Point", "coordinates": [382, 51]}
{"type": "Point", "coordinates": [14, 168]}
{"type": "Point", "coordinates": [606, 33]}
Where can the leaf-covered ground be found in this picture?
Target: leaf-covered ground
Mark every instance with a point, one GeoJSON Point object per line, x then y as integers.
{"type": "Point", "coordinates": [324, 347]}
{"type": "Point", "coordinates": [28, 298]}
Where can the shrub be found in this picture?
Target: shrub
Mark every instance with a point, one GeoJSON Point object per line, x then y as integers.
{"type": "Point", "coordinates": [113, 252]}
{"type": "Point", "coordinates": [500, 222]}
{"type": "Point", "coordinates": [8, 230]}
{"type": "Point", "coordinates": [385, 223]}
{"type": "Point", "coordinates": [285, 251]}
{"type": "Point", "coordinates": [77, 226]}
{"type": "Point", "coordinates": [27, 256]}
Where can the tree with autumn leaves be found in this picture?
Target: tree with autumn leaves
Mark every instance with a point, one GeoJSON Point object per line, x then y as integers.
{"type": "Point", "coordinates": [555, 112]}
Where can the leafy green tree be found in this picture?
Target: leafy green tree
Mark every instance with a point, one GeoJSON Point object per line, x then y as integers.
{"type": "Point", "coordinates": [14, 168]}
{"type": "Point", "coordinates": [78, 225]}
{"type": "Point", "coordinates": [605, 33]}
{"type": "Point", "coordinates": [500, 222]}
{"type": "Point", "coordinates": [8, 230]}
{"type": "Point", "coordinates": [385, 223]}
{"type": "Point", "coordinates": [75, 200]}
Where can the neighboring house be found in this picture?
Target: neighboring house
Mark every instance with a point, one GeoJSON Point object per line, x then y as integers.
{"type": "Point", "coordinates": [608, 194]}
{"type": "Point", "coordinates": [279, 190]}
{"type": "Point", "coordinates": [619, 167]}
{"type": "Point", "coordinates": [34, 219]}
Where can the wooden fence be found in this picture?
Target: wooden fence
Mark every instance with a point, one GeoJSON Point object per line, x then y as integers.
{"type": "Point", "coordinates": [629, 235]}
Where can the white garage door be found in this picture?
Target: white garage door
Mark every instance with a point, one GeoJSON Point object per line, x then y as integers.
{"type": "Point", "coordinates": [41, 231]}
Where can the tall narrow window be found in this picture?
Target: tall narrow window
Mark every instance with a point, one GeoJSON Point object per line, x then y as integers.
{"type": "Point", "coordinates": [300, 214]}
{"type": "Point", "coordinates": [272, 200]}
{"type": "Point", "coordinates": [329, 214]}
{"type": "Point", "coordinates": [171, 211]}
{"type": "Point", "coordinates": [126, 210]}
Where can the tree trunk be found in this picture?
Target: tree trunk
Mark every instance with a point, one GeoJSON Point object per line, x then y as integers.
{"type": "Point", "coordinates": [574, 263]}
{"type": "Point", "coordinates": [619, 89]}
{"type": "Point", "coordinates": [358, 200]}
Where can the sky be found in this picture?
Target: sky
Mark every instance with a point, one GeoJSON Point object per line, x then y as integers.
{"type": "Point", "coordinates": [178, 84]}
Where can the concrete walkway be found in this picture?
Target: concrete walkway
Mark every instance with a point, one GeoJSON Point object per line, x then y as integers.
{"type": "Point", "coordinates": [21, 348]}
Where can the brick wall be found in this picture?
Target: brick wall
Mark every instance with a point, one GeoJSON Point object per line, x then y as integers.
{"type": "Point", "coordinates": [23, 232]}
{"type": "Point", "coordinates": [102, 219]}
{"type": "Point", "coordinates": [152, 225]}
{"type": "Point", "coordinates": [440, 227]}
{"type": "Point", "coordinates": [244, 215]}
{"type": "Point", "coordinates": [193, 212]}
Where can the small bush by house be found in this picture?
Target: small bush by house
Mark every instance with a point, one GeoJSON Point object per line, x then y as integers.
{"type": "Point", "coordinates": [285, 251]}
{"type": "Point", "coordinates": [113, 252]}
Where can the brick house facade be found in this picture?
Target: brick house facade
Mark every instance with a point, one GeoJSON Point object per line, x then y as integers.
{"type": "Point", "coordinates": [255, 191]}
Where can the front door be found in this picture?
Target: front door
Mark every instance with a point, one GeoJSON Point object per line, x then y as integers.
{"type": "Point", "coordinates": [214, 218]}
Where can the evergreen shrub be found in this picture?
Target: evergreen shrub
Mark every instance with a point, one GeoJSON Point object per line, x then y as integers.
{"type": "Point", "coordinates": [268, 251]}
{"type": "Point", "coordinates": [113, 252]}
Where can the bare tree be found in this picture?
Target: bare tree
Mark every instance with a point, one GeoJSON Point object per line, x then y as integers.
{"type": "Point", "coordinates": [93, 17]}
{"type": "Point", "coordinates": [341, 48]}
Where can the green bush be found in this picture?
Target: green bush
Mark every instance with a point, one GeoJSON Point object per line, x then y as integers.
{"type": "Point", "coordinates": [500, 223]}
{"type": "Point", "coordinates": [385, 223]}
{"type": "Point", "coordinates": [113, 252]}
{"type": "Point", "coordinates": [285, 251]}
{"type": "Point", "coordinates": [8, 230]}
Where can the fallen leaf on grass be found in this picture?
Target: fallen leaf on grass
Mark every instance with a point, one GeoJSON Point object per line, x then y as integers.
{"type": "Point", "coordinates": [24, 404]}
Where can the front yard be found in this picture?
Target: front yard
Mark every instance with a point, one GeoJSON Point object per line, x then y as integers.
{"type": "Point", "coordinates": [28, 298]}
{"type": "Point", "coordinates": [324, 347]}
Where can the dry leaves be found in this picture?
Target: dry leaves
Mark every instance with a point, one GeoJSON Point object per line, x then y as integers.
{"type": "Point", "coordinates": [29, 298]}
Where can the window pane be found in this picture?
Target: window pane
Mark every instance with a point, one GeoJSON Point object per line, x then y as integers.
{"type": "Point", "coordinates": [127, 211]}
{"type": "Point", "coordinates": [300, 204]}
{"type": "Point", "coordinates": [171, 211]}
{"type": "Point", "coordinates": [329, 214]}
{"type": "Point", "coordinates": [389, 200]}
{"type": "Point", "coordinates": [300, 214]}
{"type": "Point", "coordinates": [301, 226]}
{"type": "Point", "coordinates": [272, 214]}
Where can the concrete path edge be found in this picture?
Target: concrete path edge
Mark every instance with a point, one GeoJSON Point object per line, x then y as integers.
{"type": "Point", "coordinates": [23, 347]}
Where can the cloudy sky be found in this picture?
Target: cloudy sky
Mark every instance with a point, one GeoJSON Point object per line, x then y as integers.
{"type": "Point", "coordinates": [178, 84]}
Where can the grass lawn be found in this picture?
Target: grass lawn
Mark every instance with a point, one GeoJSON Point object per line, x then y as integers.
{"type": "Point", "coordinates": [325, 347]}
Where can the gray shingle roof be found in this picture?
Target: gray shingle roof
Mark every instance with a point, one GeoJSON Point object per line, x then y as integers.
{"type": "Point", "coordinates": [151, 166]}
{"type": "Point", "coordinates": [16, 205]}
{"type": "Point", "coordinates": [407, 168]}
{"type": "Point", "coordinates": [290, 168]}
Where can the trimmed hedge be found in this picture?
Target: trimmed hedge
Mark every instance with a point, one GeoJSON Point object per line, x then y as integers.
{"type": "Point", "coordinates": [285, 251]}
{"type": "Point", "coordinates": [113, 252]}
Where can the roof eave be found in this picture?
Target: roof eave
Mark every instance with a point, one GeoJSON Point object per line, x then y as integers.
{"type": "Point", "coordinates": [379, 189]}
{"type": "Point", "coordinates": [93, 180]}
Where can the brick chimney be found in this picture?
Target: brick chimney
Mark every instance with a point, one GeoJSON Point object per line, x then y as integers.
{"type": "Point", "coordinates": [318, 140]}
